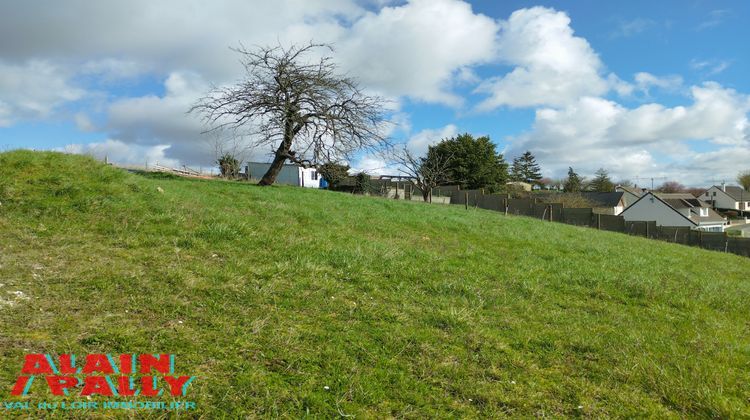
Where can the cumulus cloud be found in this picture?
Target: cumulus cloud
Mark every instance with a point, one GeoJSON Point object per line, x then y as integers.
{"type": "Point", "coordinates": [595, 132]}
{"type": "Point", "coordinates": [551, 66]}
{"type": "Point", "coordinates": [373, 165]}
{"type": "Point", "coordinates": [33, 90]}
{"type": "Point", "coordinates": [392, 49]}
{"type": "Point", "coordinates": [165, 35]}
{"type": "Point", "coordinates": [417, 49]}
{"type": "Point", "coordinates": [419, 142]}
{"type": "Point", "coordinates": [120, 152]}
{"type": "Point", "coordinates": [152, 119]}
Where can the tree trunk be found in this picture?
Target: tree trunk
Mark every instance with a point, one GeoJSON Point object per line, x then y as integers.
{"type": "Point", "coordinates": [273, 171]}
{"type": "Point", "coordinates": [281, 154]}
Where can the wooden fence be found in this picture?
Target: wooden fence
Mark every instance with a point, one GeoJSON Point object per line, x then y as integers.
{"type": "Point", "coordinates": [556, 212]}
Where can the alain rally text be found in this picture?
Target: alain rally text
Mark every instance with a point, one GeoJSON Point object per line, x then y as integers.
{"type": "Point", "coordinates": [147, 375]}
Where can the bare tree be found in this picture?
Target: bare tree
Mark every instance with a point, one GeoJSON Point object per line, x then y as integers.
{"type": "Point", "coordinates": [671, 187]}
{"type": "Point", "coordinates": [301, 108]}
{"type": "Point", "coordinates": [425, 172]}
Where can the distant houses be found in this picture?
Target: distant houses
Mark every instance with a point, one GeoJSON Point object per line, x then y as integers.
{"type": "Point", "coordinates": [727, 197]}
{"type": "Point", "coordinates": [289, 175]}
{"type": "Point", "coordinates": [674, 210]}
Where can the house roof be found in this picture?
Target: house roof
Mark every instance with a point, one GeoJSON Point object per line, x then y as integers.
{"type": "Point", "coordinates": [737, 193]}
{"type": "Point", "coordinates": [603, 199]}
{"type": "Point", "coordinates": [632, 190]}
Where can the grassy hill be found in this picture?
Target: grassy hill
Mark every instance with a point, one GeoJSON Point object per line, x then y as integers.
{"type": "Point", "coordinates": [287, 301]}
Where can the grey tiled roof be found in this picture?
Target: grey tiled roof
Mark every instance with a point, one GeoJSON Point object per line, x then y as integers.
{"type": "Point", "coordinates": [737, 193]}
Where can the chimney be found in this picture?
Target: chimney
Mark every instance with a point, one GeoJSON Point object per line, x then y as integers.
{"type": "Point", "coordinates": [723, 186]}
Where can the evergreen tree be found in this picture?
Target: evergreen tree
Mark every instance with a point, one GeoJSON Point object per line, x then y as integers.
{"type": "Point", "coordinates": [472, 163]}
{"type": "Point", "coordinates": [574, 182]}
{"type": "Point", "coordinates": [525, 169]}
{"type": "Point", "coordinates": [601, 182]}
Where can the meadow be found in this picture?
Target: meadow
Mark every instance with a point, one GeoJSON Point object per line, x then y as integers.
{"type": "Point", "coordinates": [287, 302]}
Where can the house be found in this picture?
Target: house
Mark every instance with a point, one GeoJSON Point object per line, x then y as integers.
{"type": "Point", "coordinates": [605, 202]}
{"type": "Point", "coordinates": [727, 197]}
{"type": "Point", "coordinates": [523, 186]}
{"type": "Point", "coordinates": [630, 194]}
{"type": "Point", "coordinates": [674, 210]}
{"type": "Point", "coordinates": [289, 175]}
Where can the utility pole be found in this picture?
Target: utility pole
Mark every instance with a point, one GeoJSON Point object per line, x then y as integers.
{"type": "Point", "coordinates": [652, 178]}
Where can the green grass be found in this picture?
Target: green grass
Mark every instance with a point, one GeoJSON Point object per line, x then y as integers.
{"type": "Point", "coordinates": [401, 309]}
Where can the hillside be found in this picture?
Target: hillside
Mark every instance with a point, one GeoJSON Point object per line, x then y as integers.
{"type": "Point", "coordinates": [286, 301]}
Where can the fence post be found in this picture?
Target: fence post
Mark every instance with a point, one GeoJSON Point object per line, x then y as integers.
{"type": "Point", "coordinates": [598, 221]}
{"type": "Point", "coordinates": [700, 238]}
{"type": "Point", "coordinates": [505, 204]}
{"type": "Point", "coordinates": [726, 242]}
{"type": "Point", "coordinates": [466, 200]}
{"type": "Point", "coordinates": [647, 235]}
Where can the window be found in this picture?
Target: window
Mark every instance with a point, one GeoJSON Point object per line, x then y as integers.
{"type": "Point", "coordinates": [714, 193]}
{"type": "Point", "coordinates": [708, 194]}
{"type": "Point", "coordinates": [704, 212]}
{"type": "Point", "coordinates": [314, 175]}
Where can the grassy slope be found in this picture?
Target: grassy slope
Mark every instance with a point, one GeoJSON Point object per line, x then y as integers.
{"type": "Point", "coordinates": [401, 309]}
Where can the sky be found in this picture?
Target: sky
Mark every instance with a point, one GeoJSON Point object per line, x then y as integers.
{"type": "Point", "coordinates": [642, 89]}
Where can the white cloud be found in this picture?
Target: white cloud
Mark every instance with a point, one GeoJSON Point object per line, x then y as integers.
{"type": "Point", "coordinates": [417, 49]}
{"type": "Point", "coordinates": [33, 90]}
{"type": "Point", "coordinates": [715, 18]}
{"type": "Point", "coordinates": [414, 49]}
{"type": "Point", "coordinates": [373, 166]}
{"type": "Point", "coordinates": [551, 65]}
{"type": "Point", "coordinates": [595, 132]}
{"type": "Point", "coordinates": [151, 119]}
{"type": "Point", "coordinates": [710, 67]}
{"type": "Point", "coordinates": [645, 81]}
{"type": "Point", "coordinates": [119, 152]}
{"type": "Point", "coordinates": [419, 142]}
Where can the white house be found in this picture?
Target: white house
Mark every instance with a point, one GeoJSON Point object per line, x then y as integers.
{"type": "Point", "coordinates": [674, 210]}
{"type": "Point", "coordinates": [289, 175]}
{"type": "Point", "coordinates": [727, 197]}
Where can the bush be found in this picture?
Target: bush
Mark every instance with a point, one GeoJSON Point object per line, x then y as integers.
{"type": "Point", "coordinates": [334, 173]}
{"type": "Point", "coordinates": [229, 166]}
{"type": "Point", "coordinates": [363, 184]}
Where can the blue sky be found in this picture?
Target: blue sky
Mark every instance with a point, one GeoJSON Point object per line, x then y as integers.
{"type": "Point", "coordinates": [639, 88]}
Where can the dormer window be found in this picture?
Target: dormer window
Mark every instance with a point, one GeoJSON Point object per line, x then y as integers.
{"type": "Point", "coordinates": [704, 212]}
